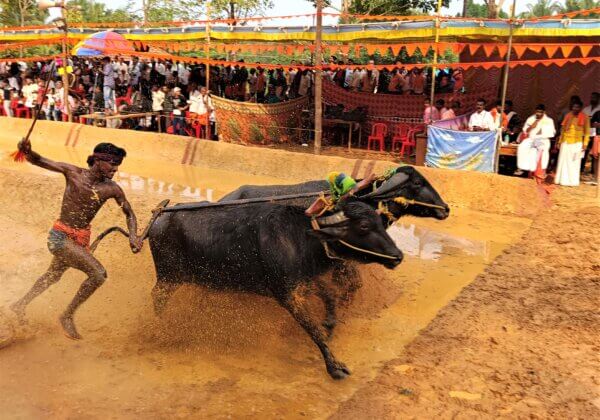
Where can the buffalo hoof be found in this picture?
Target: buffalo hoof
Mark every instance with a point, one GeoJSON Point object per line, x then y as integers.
{"type": "Point", "coordinates": [338, 370]}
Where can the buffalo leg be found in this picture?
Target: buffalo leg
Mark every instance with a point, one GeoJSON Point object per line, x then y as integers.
{"type": "Point", "coordinates": [336, 369]}
{"type": "Point", "coordinates": [330, 310]}
{"type": "Point", "coordinates": [161, 293]}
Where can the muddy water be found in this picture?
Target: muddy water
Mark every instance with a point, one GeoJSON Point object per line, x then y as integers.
{"type": "Point", "coordinates": [214, 354]}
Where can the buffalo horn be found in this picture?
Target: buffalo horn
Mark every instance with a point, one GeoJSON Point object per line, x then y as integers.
{"type": "Point", "coordinates": [390, 185]}
{"type": "Point", "coordinates": [334, 219]}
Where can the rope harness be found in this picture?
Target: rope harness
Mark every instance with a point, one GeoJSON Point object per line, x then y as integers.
{"type": "Point", "coordinates": [331, 255]}
{"type": "Point", "coordinates": [383, 208]}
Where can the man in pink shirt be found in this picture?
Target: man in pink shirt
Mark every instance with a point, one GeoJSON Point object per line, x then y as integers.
{"type": "Point", "coordinates": [431, 113]}
{"type": "Point", "coordinates": [450, 113]}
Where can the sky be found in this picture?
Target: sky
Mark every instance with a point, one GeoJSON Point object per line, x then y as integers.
{"type": "Point", "coordinates": [293, 7]}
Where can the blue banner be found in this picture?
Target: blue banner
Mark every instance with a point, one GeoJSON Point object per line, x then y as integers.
{"type": "Point", "coordinates": [468, 150]}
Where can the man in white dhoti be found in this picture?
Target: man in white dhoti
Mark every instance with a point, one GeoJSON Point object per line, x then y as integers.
{"type": "Point", "coordinates": [481, 120]}
{"type": "Point", "coordinates": [533, 152]}
{"type": "Point", "coordinates": [573, 142]}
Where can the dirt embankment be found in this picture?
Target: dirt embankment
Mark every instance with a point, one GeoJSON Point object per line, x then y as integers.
{"type": "Point", "coordinates": [523, 340]}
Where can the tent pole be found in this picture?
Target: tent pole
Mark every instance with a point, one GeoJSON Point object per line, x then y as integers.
{"type": "Point", "coordinates": [435, 53]}
{"type": "Point", "coordinates": [207, 133]}
{"type": "Point", "coordinates": [505, 84]}
{"type": "Point", "coordinates": [65, 75]}
{"type": "Point", "coordinates": [319, 80]}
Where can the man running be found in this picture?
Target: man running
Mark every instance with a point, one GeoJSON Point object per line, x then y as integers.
{"type": "Point", "coordinates": [86, 192]}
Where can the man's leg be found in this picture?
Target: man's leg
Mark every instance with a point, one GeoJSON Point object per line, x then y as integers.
{"type": "Point", "coordinates": [81, 259]}
{"type": "Point", "coordinates": [53, 274]}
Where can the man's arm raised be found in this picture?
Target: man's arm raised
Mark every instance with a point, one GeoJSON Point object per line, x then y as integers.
{"type": "Point", "coordinates": [38, 160]}
{"type": "Point", "coordinates": [134, 241]}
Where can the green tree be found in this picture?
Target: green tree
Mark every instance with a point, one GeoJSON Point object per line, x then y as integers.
{"type": "Point", "coordinates": [480, 10]}
{"type": "Point", "coordinates": [541, 8]}
{"type": "Point", "coordinates": [384, 7]}
{"type": "Point", "coordinates": [94, 11]}
{"type": "Point", "coordinates": [575, 5]}
{"type": "Point", "coordinates": [169, 10]}
{"type": "Point", "coordinates": [239, 9]}
{"type": "Point", "coordinates": [21, 13]}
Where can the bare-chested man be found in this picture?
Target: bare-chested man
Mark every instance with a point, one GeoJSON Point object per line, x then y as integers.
{"type": "Point", "coordinates": [69, 239]}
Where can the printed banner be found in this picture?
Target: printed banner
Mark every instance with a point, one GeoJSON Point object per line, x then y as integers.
{"type": "Point", "coordinates": [471, 151]}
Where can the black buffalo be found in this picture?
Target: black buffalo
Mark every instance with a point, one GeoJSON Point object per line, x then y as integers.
{"type": "Point", "coordinates": [407, 182]}
{"type": "Point", "coordinates": [267, 249]}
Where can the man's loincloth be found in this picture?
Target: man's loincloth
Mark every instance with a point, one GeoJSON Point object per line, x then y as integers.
{"type": "Point", "coordinates": [61, 232]}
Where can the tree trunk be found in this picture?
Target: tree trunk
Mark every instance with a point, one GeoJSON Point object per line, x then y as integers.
{"type": "Point", "coordinates": [232, 12]}
{"type": "Point", "coordinates": [464, 13]}
{"type": "Point", "coordinates": [492, 9]}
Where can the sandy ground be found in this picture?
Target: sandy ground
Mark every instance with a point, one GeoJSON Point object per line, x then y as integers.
{"type": "Point", "coordinates": [434, 337]}
{"type": "Point", "coordinates": [216, 355]}
{"type": "Point", "coordinates": [522, 340]}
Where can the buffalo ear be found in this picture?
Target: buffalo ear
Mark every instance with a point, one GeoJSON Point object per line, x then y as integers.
{"type": "Point", "coordinates": [327, 233]}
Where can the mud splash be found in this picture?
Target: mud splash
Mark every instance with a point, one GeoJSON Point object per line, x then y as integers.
{"type": "Point", "coordinates": [214, 354]}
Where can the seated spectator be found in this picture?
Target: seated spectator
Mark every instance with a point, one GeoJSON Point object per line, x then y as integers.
{"type": "Point", "coordinates": [500, 121]}
{"type": "Point", "coordinates": [459, 82]}
{"type": "Point", "coordinates": [533, 152]}
{"type": "Point", "coordinates": [417, 82]}
{"type": "Point", "coordinates": [481, 120]}
{"type": "Point", "coordinates": [451, 112]}
{"type": "Point", "coordinates": [431, 113]}
{"type": "Point", "coordinates": [513, 125]}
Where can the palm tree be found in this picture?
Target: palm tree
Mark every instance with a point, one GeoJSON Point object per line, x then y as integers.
{"type": "Point", "coordinates": [542, 8]}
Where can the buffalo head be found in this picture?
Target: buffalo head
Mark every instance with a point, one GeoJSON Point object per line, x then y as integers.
{"type": "Point", "coordinates": [407, 183]}
{"type": "Point", "coordinates": [356, 232]}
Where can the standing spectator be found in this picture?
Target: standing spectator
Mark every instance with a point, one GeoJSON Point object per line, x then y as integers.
{"type": "Point", "coordinates": [368, 82]}
{"type": "Point", "coordinates": [306, 82]}
{"type": "Point", "coordinates": [573, 142]}
{"type": "Point", "coordinates": [533, 152]}
{"type": "Point", "coordinates": [180, 105]}
{"type": "Point", "coordinates": [417, 82]}
{"type": "Point", "coordinates": [98, 100]}
{"type": "Point", "coordinates": [252, 80]}
{"type": "Point", "coordinates": [6, 97]}
{"type": "Point", "coordinates": [481, 120]}
{"type": "Point", "coordinates": [109, 83]}
{"type": "Point", "coordinates": [395, 85]}
{"type": "Point", "coordinates": [348, 75]}
{"type": "Point", "coordinates": [590, 110]}
{"type": "Point", "coordinates": [355, 81]}
{"type": "Point", "coordinates": [459, 81]}
{"type": "Point", "coordinates": [261, 85]}
{"type": "Point", "coordinates": [29, 92]}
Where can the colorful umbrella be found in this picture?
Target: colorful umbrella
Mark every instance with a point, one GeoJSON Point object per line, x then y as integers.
{"type": "Point", "coordinates": [101, 43]}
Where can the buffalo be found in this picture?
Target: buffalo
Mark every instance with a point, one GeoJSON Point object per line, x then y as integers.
{"type": "Point", "coordinates": [268, 249]}
{"type": "Point", "coordinates": [405, 181]}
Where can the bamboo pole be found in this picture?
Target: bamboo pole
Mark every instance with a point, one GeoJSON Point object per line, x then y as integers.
{"type": "Point", "coordinates": [319, 79]}
{"type": "Point", "coordinates": [207, 133]}
{"type": "Point", "coordinates": [65, 75]}
{"type": "Point", "coordinates": [505, 84]}
{"type": "Point", "coordinates": [435, 53]}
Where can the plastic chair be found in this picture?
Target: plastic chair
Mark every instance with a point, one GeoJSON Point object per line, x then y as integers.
{"type": "Point", "coordinates": [22, 112]}
{"type": "Point", "coordinates": [401, 135]}
{"type": "Point", "coordinates": [409, 142]}
{"type": "Point", "coordinates": [378, 133]}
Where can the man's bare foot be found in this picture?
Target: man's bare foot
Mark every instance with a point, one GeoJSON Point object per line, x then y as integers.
{"type": "Point", "coordinates": [19, 310]}
{"type": "Point", "coordinates": [69, 327]}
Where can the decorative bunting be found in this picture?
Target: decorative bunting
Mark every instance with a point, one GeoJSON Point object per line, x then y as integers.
{"type": "Point", "coordinates": [488, 49]}
{"type": "Point", "coordinates": [566, 50]}
{"type": "Point", "coordinates": [519, 50]}
{"type": "Point", "coordinates": [585, 50]}
{"type": "Point", "coordinates": [551, 50]}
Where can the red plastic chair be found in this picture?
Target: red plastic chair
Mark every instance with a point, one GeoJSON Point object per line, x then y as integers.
{"type": "Point", "coordinates": [401, 135]}
{"type": "Point", "coordinates": [409, 142]}
{"type": "Point", "coordinates": [22, 112]}
{"type": "Point", "coordinates": [126, 98]}
{"type": "Point", "coordinates": [378, 133]}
